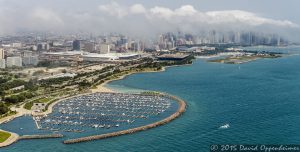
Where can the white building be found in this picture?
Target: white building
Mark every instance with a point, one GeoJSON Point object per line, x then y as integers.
{"type": "Point", "coordinates": [60, 75]}
{"type": "Point", "coordinates": [2, 64]}
{"type": "Point", "coordinates": [129, 56]}
{"type": "Point", "coordinates": [34, 48]}
{"type": "Point", "coordinates": [14, 61]}
{"type": "Point", "coordinates": [104, 48]}
{"type": "Point", "coordinates": [17, 45]}
{"type": "Point", "coordinates": [92, 57]}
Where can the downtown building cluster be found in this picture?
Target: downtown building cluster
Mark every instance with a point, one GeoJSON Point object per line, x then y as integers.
{"type": "Point", "coordinates": [169, 41]}
{"type": "Point", "coordinates": [27, 50]}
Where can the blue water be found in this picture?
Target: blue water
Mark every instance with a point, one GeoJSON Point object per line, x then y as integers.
{"type": "Point", "coordinates": [259, 100]}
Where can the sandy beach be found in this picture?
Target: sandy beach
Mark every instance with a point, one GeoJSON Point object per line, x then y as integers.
{"type": "Point", "coordinates": [102, 88]}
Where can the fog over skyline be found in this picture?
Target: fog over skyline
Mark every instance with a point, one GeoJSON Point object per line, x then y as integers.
{"type": "Point", "coordinates": [144, 18]}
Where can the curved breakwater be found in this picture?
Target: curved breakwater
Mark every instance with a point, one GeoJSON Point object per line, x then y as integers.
{"type": "Point", "coordinates": [180, 110]}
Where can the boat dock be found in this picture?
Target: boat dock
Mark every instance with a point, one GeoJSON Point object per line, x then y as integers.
{"type": "Point", "coordinates": [180, 111]}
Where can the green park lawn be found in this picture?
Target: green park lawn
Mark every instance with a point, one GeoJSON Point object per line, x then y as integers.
{"type": "Point", "coordinates": [4, 136]}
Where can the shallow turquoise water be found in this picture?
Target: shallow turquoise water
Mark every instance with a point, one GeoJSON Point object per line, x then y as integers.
{"type": "Point", "coordinates": [260, 101]}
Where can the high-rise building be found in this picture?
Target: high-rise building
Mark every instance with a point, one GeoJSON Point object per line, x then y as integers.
{"type": "Point", "coordinates": [47, 46]}
{"type": "Point", "coordinates": [237, 37]}
{"type": "Point", "coordinates": [14, 61]}
{"type": "Point", "coordinates": [77, 45]}
{"type": "Point", "coordinates": [1, 53]}
{"type": "Point", "coordinates": [40, 47]}
{"type": "Point", "coordinates": [30, 60]}
{"type": "Point", "coordinates": [89, 46]}
{"type": "Point", "coordinates": [2, 64]}
{"type": "Point", "coordinates": [104, 48]}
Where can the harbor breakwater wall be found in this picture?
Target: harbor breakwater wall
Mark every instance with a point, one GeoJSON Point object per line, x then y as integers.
{"type": "Point", "coordinates": [24, 137]}
{"type": "Point", "coordinates": [179, 112]}
{"type": "Point", "coordinates": [27, 137]}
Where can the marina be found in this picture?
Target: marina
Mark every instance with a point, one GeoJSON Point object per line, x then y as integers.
{"type": "Point", "coordinates": [180, 110]}
{"type": "Point", "coordinates": [105, 112]}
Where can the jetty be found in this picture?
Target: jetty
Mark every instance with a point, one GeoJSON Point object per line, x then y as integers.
{"type": "Point", "coordinates": [24, 137]}
{"type": "Point", "coordinates": [12, 139]}
{"type": "Point", "coordinates": [15, 137]}
{"type": "Point", "coordinates": [179, 112]}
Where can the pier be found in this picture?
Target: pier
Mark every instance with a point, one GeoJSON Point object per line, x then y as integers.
{"type": "Point", "coordinates": [180, 111]}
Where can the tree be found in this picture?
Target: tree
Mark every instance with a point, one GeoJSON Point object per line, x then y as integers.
{"type": "Point", "coordinates": [39, 72]}
{"type": "Point", "coordinates": [64, 71]}
{"type": "Point", "coordinates": [32, 85]}
{"type": "Point", "coordinates": [3, 108]}
{"type": "Point", "coordinates": [44, 64]}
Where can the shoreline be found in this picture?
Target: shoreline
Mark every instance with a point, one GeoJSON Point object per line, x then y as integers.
{"type": "Point", "coordinates": [102, 85]}
{"type": "Point", "coordinates": [100, 88]}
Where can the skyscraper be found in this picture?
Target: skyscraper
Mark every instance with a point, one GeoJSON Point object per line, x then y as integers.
{"type": "Point", "coordinates": [2, 60]}
{"type": "Point", "coordinates": [40, 47]}
{"type": "Point", "coordinates": [76, 45]}
{"type": "Point", "coordinates": [1, 53]}
{"type": "Point", "coordinates": [104, 48]}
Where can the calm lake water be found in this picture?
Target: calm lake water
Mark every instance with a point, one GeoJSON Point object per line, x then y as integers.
{"type": "Point", "coordinates": [259, 100]}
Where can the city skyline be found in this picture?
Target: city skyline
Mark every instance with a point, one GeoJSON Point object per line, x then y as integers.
{"type": "Point", "coordinates": [143, 19]}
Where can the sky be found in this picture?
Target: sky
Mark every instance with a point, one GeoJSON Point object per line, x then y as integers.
{"type": "Point", "coordinates": [145, 17]}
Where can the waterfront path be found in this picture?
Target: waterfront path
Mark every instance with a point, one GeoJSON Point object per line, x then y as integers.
{"type": "Point", "coordinates": [20, 111]}
{"type": "Point", "coordinates": [180, 111]}
{"type": "Point", "coordinates": [13, 138]}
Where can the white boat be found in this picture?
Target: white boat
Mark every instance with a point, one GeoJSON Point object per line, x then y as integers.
{"type": "Point", "coordinates": [95, 126]}
{"type": "Point", "coordinates": [226, 126]}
